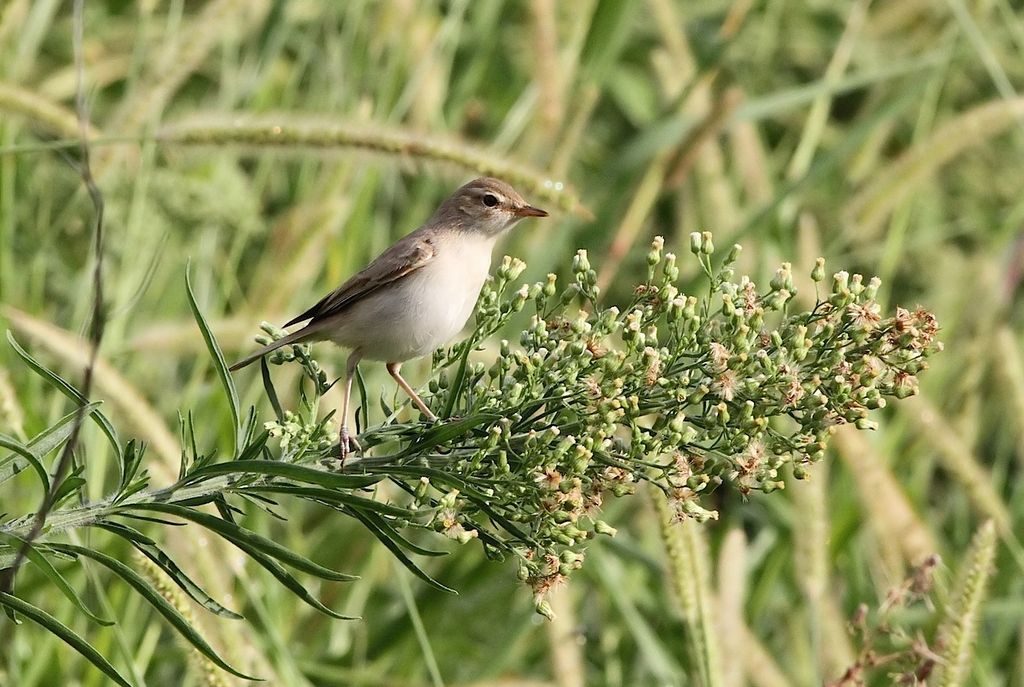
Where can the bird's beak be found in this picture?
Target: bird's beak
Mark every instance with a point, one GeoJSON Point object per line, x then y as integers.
{"type": "Point", "coordinates": [529, 211]}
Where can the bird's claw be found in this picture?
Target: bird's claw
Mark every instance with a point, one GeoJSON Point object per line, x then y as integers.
{"type": "Point", "coordinates": [347, 445]}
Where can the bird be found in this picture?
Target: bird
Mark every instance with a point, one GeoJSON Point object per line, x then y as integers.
{"type": "Point", "coordinates": [415, 296]}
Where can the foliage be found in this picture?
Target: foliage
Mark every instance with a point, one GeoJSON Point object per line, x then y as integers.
{"type": "Point", "coordinates": [279, 146]}
{"type": "Point", "coordinates": [675, 390]}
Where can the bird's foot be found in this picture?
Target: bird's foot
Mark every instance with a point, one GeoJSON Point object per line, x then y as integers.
{"type": "Point", "coordinates": [347, 445]}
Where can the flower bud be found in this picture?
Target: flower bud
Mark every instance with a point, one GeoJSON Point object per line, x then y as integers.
{"type": "Point", "coordinates": [720, 413]}
{"type": "Point", "coordinates": [707, 244]}
{"type": "Point", "coordinates": [696, 243]}
{"type": "Point", "coordinates": [580, 262]}
{"type": "Point", "coordinates": [544, 608]}
{"type": "Point", "coordinates": [654, 256]}
{"type": "Point", "coordinates": [818, 273]}
{"type": "Point", "coordinates": [871, 290]}
{"type": "Point", "coordinates": [734, 254]}
{"type": "Point", "coordinates": [669, 269]}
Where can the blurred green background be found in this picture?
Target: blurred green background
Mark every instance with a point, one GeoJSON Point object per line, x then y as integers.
{"type": "Point", "coordinates": [885, 136]}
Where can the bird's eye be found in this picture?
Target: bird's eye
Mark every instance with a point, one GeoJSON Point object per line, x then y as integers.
{"type": "Point", "coordinates": [490, 200]}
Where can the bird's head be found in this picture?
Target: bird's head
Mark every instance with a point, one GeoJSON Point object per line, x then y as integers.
{"type": "Point", "coordinates": [485, 205]}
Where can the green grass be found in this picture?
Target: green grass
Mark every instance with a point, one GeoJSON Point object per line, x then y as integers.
{"type": "Point", "coordinates": [883, 136]}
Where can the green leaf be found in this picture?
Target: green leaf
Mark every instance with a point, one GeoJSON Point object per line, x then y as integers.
{"type": "Point", "coordinates": [254, 448]}
{"type": "Point", "coordinates": [442, 434]}
{"type": "Point", "coordinates": [71, 484]}
{"type": "Point", "coordinates": [387, 410]}
{"type": "Point", "coordinates": [268, 386]}
{"type": "Point", "coordinates": [505, 523]}
{"type": "Point", "coordinates": [14, 445]}
{"type": "Point", "coordinates": [162, 606]}
{"type": "Point", "coordinates": [610, 26]}
{"type": "Point", "coordinates": [289, 581]}
{"type": "Point", "coordinates": [66, 388]}
{"type": "Point", "coordinates": [150, 550]}
{"type": "Point", "coordinates": [364, 404]}
{"type": "Point", "coordinates": [245, 449]}
{"type": "Point", "coordinates": [66, 634]}
{"type": "Point", "coordinates": [336, 497]}
{"type": "Point", "coordinates": [44, 442]}
{"type": "Point", "coordinates": [457, 383]}
{"type": "Point", "coordinates": [299, 473]}
{"type": "Point", "coordinates": [396, 536]}
{"type": "Point", "coordinates": [238, 535]}
{"type": "Point", "coordinates": [219, 363]}
{"type": "Point", "coordinates": [396, 550]}
{"type": "Point", "coordinates": [226, 510]}
{"type": "Point", "coordinates": [133, 452]}
{"type": "Point", "coordinates": [33, 554]}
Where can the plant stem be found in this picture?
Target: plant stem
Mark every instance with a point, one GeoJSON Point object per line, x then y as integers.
{"type": "Point", "coordinates": [89, 514]}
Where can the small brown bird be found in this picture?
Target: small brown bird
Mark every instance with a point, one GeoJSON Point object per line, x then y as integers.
{"type": "Point", "coordinates": [418, 294]}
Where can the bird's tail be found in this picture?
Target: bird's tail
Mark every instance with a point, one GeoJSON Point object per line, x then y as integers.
{"type": "Point", "coordinates": [294, 337]}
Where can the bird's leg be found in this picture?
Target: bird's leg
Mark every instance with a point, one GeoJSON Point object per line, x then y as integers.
{"type": "Point", "coordinates": [393, 370]}
{"type": "Point", "coordinates": [346, 442]}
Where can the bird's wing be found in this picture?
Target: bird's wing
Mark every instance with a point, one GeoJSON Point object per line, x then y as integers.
{"type": "Point", "coordinates": [405, 257]}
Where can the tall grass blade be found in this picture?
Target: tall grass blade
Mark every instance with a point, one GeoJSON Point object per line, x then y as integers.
{"type": "Point", "coordinates": [220, 365]}
{"type": "Point", "coordinates": [65, 633]}
{"type": "Point", "coordinates": [156, 600]}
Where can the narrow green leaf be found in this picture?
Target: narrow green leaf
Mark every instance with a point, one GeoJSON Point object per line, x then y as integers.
{"type": "Point", "coordinates": [190, 427]}
{"type": "Point", "coordinates": [150, 550]}
{"type": "Point", "coordinates": [289, 581]}
{"type": "Point", "coordinates": [364, 404]}
{"type": "Point", "coordinates": [387, 410]}
{"type": "Point", "coordinates": [299, 473]}
{"type": "Point", "coordinates": [457, 383]}
{"type": "Point", "coordinates": [132, 458]}
{"type": "Point", "coordinates": [610, 26]}
{"type": "Point", "coordinates": [219, 364]}
{"type": "Point", "coordinates": [248, 432]}
{"type": "Point", "coordinates": [336, 497]}
{"type": "Point", "coordinates": [33, 554]}
{"type": "Point", "coordinates": [57, 433]}
{"type": "Point", "coordinates": [402, 541]}
{"type": "Point", "coordinates": [781, 101]}
{"type": "Point", "coordinates": [66, 388]}
{"type": "Point", "coordinates": [71, 484]}
{"type": "Point", "coordinates": [505, 523]}
{"type": "Point", "coordinates": [239, 535]}
{"type": "Point", "coordinates": [254, 448]}
{"type": "Point", "coordinates": [162, 606]}
{"type": "Point", "coordinates": [226, 510]}
{"type": "Point", "coordinates": [396, 550]}
{"type": "Point", "coordinates": [159, 521]}
{"type": "Point", "coordinates": [442, 434]}
{"type": "Point", "coordinates": [263, 503]}
{"type": "Point", "coordinates": [268, 386]}
{"type": "Point", "coordinates": [14, 445]}
{"type": "Point", "coordinates": [65, 633]}
{"type": "Point", "coordinates": [44, 442]}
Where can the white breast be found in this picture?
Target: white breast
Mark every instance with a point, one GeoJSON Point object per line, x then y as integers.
{"type": "Point", "coordinates": [422, 311]}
